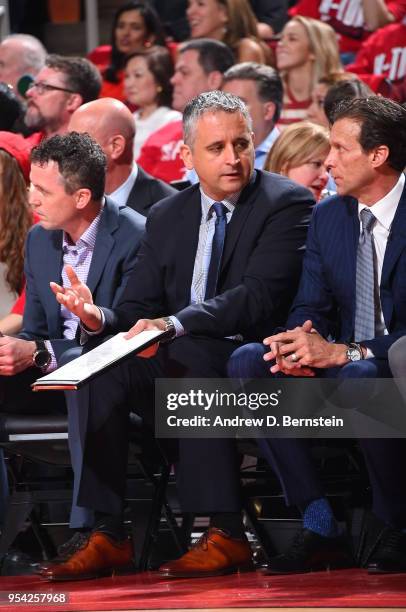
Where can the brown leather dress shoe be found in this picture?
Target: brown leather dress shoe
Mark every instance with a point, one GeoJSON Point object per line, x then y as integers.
{"type": "Point", "coordinates": [214, 554]}
{"type": "Point", "coordinates": [65, 551]}
{"type": "Point", "coordinates": [99, 556]}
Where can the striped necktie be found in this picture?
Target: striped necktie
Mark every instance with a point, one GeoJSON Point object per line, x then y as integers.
{"type": "Point", "coordinates": [364, 326]}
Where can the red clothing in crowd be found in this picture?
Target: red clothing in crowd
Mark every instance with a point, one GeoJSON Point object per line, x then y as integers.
{"type": "Point", "coordinates": [160, 153]}
{"type": "Point", "coordinates": [383, 53]}
{"type": "Point", "coordinates": [292, 110]}
{"type": "Point", "coordinates": [346, 17]}
{"type": "Point", "coordinates": [19, 304]}
{"type": "Point", "coordinates": [101, 57]}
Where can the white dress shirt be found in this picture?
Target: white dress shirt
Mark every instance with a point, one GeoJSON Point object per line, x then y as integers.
{"type": "Point", "coordinates": [384, 211]}
{"type": "Point", "coordinates": [120, 195]}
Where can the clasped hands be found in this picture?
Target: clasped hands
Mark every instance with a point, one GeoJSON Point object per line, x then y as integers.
{"type": "Point", "coordinates": [299, 351]}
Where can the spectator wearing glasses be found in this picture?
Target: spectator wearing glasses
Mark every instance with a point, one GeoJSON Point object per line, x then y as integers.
{"type": "Point", "coordinates": [64, 84]}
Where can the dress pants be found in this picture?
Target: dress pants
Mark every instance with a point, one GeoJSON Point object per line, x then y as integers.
{"type": "Point", "coordinates": [207, 473]}
{"type": "Point", "coordinates": [291, 458]}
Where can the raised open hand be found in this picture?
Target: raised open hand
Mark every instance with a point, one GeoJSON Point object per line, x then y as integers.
{"type": "Point", "coordinates": [78, 299]}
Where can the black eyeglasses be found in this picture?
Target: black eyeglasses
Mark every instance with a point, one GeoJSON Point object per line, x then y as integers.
{"type": "Point", "coordinates": [43, 87]}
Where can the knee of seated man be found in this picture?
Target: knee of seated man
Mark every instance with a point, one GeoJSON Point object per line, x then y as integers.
{"type": "Point", "coordinates": [397, 358]}
{"type": "Point", "coordinates": [69, 355]}
{"type": "Point", "coordinates": [247, 362]}
{"type": "Point", "coordinates": [366, 368]}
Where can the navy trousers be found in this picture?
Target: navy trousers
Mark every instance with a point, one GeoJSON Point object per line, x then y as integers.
{"type": "Point", "coordinates": [207, 474]}
{"type": "Point", "coordinates": [291, 458]}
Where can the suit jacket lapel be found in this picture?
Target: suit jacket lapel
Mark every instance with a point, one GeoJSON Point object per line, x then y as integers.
{"type": "Point", "coordinates": [53, 272]}
{"type": "Point", "coordinates": [104, 244]}
{"type": "Point", "coordinates": [349, 251]}
{"type": "Point", "coordinates": [187, 238]}
{"type": "Point", "coordinates": [394, 247]}
{"type": "Point", "coordinates": [236, 225]}
{"type": "Point", "coordinates": [139, 196]}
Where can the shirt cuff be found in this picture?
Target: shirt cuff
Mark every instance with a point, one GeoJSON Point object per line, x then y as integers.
{"type": "Point", "coordinates": [53, 363]}
{"type": "Point", "coordinates": [85, 333]}
{"type": "Point", "coordinates": [369, 354]}
{"type": "Point", "coordinates": [180, 330]}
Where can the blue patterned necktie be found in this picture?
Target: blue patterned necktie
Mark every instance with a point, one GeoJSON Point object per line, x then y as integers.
{"type": "Point", "coordinates": [216, 249]}
{"type": "Point", "coordinates": [364, 326]}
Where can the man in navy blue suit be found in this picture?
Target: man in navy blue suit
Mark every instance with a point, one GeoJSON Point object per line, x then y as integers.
{"type": "Point", "coordinates": [79, 227]}
{"type": "Point", "coordinates": [209, 271]}
{"type": "Point", "coordinates": [352, 290]}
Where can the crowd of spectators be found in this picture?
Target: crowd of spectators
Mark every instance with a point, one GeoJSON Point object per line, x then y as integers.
{"type": "Point", "coordinates": [293, 64]}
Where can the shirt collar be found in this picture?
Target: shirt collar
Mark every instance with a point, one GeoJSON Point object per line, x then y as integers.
{"type": "Point", "coordinates": [384, 209]}
{"type": "Point", "coordinates": [120, 195]}
{"type": "Point", "coordinates": [88, 238]}
{"type": "Point", "coordinates": [229, 202]}
{"type": "Point", "coordinates": [267, 143]}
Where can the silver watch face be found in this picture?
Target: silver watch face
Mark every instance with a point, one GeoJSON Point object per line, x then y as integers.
{"type": "Point", "coordinates": [354, 354]}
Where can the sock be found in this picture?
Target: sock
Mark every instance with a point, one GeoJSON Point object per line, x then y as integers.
{"type": "Point", "coordinates": [110, 524]}
{"type": "Point", "coordinates": [318, 517]}
{"type": "Point", "coordinates": [231, 522]}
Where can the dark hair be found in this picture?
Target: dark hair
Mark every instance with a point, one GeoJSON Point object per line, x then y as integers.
{"type": "Point", "coordinates": [213, 54]}
{"type": "Point", "coordinates": [160, 64]}
{"type": "Point", "coordinates": [152, 25]}
{"type": "Point", "coordinates": [80, 160]}
{"type": "Point", "coordinates": [268, 82]}
{"type": "Point", "coordinates": [382, 122]}
{"type": "Point", "coordinates": [343, 90]}
{"type": "Point", "coordinates": [81, 76]}
{"type": "Point", "coordinates": [11, 107]}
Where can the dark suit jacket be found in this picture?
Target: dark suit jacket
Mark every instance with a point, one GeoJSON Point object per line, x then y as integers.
{"type": "Point", "coordinates": [326, 293]}
{"type": "Point", "coordinates": [117, 243]}
{"type": "Point", "coordinates": [146, 191]}
{"type": "Point", "coordinates": [260, 269]}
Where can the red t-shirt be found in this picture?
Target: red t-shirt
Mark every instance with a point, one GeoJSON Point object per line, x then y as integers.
{"type": "Point", "coordinates": [384, 53]}
{"type": "Point", "coordinates": [346, 17]}
{"type": "Point", "coordinates": [160, 153]}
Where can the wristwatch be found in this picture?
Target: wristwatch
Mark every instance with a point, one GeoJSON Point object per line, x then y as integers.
{"type": "Point", "coordinates": [354, 352]}
{"type": "Point", "coordinates": [41, 357]}
{"type": "Point", "coordinates": [170, 329]}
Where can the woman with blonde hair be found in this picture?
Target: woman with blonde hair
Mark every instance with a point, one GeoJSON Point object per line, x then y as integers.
{"type": "Point", "coordinates": [232, 22]}
{"type": "Point", "coordinates": [299, 153]}
{"type": "Point", "coordinates": [306, 52]}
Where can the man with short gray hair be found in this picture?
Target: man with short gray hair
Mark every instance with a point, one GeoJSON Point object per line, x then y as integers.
{"type": "Point", "coordinates": [20, 55]}
{"type": "Point", "coordinates": [261, 89]}
{"type": "Point", "coordinates": [218, 266]}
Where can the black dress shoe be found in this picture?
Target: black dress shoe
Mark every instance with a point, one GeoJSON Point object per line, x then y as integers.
{"type": "Point", "coordinates": [17, 563]}
{"type": "Point", "coordinates": [389, 556]}
{"type": "Point", "coordinates": [311, 552]}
